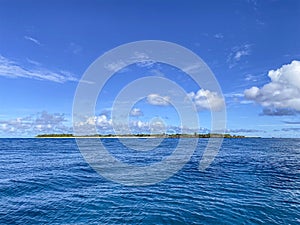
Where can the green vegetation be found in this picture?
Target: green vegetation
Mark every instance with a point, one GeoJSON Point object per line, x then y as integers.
{"type": "Point", "coordinates": [195, 135]}
{"type": "Point", "coordinates": [204, 136]}
{"type": "Point", "coordinates": [54, 135]}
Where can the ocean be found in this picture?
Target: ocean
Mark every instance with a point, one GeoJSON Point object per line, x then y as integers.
{"type": "Point", "coordinates": [251, 181]}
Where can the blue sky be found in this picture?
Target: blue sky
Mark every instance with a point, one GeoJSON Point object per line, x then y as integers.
{"type": "Point", "coordinates": [252, 47]}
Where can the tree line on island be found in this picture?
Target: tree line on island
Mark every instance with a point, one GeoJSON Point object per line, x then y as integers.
{"type": "Point", "coordinates": [195, 135]}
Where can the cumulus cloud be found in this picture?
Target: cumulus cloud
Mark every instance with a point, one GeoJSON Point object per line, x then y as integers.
{"type": "Point", "coordinates": [281, 96]}
{"type": "Point", "coordinates": [101, 121]}
{"type": "Point", "coordinates": [138, 126]}
{"type": "Point", "coordinates": [12, 69]}
{"type": "Point", "coordinates": [105, 125]}
{"type": "Point", "coordinates": [136, 112]}
{"type": "Point", "coordinates": [155, 99]}
{"type": "Point", "coordinates": [207, 100]}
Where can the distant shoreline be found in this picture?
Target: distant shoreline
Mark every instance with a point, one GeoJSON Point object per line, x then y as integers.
{"type": "Point", "coordinates": [143, 136]}
{"type": "Point", "coordinates": [88, 137]}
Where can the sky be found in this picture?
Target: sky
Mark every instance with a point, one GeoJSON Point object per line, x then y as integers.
{"type": "Point", "coordinates": [252, 48]}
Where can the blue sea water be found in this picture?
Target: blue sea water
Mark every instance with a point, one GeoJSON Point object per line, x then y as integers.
{"type": "Point", "coordinates": [251, 181]}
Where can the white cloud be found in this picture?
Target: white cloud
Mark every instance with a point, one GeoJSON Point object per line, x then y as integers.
{"type": "Point", "coordinates": [207, 100]}
{"type": "Point", "coordinates": [282, 95]}
{"type": "Point", "coordinates": [12, 69]}
{"type": "Point", "coordinates": [155, 99]}
{"type": "Point", "coordinates": [136, 112]}
{"type": "Point", "coordinates": [33, 40]}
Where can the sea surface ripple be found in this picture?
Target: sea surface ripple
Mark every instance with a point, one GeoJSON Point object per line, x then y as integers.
{"type": "Point", "coordinates": [251, 181]}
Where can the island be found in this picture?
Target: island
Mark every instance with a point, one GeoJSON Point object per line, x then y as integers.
{"type": "Point", "coordinates": [195, 135]}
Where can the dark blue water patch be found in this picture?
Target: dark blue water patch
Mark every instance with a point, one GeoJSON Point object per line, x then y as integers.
{"type": "Point", "coordinates": [251, 181]}
{"type": "Point", "coordinates": [139, 157]}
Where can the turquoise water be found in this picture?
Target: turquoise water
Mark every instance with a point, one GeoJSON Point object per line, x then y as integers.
{"type": "Point", "coordinates": [251, 181]}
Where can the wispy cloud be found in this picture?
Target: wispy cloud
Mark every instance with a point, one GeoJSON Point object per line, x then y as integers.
{"type": "Point", "coordinates": [33, 62]}
{"type": "Point", "coordinates": [136, 112]}
{"type": "Point", "coordinates": [33, 40]}
{"type": "Point", "coordinates": [235, 99]}
{"type": "Point", "coordinates": [155, 99]}
{"type": "Point", "coordinates": [242, 130]}
{"type": "Point", "coordinates": [116, 66]}
{"type": "Point", "coordinates": [12, 69]}
{"type": "Point", "coordinates": [219, 36]}
{"type": "Point", "coordinates": [293, 129]}
{"type": "Point", "coordinates": [251, 77]}
{"type": "Point", "coordinates": [192, 68]}
{"type": "Point", "coordinates": [292, 122]}
{"type": "Point", "coordinates": [143, 59]}
{"type": "Point", "coordinates": [233, 95]}
{"type": "Point", "coordinates": [74, 48]}
{"type": "Point", "coordinates": [156, 72]}
{"type": "Point", "coordinates": [237, 53]}
{"type": "Point", "coordinates": [237, 56]}
{"type": "Point", "coordinates": [278, 112]}
{"type": "Point", "coordinates": [139, 58]}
